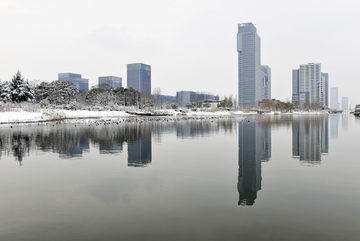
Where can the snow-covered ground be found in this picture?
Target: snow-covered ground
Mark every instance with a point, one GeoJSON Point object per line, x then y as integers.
{"type": "Point", "coordinates": [48, 115]}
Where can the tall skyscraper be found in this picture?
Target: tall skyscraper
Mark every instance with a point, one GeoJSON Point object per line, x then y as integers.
{"type": "Point", "coordinates": [325, 89]}
{"type": "Point", "coordinates": [344, 103]}
{"type": "Point", "coordinates": [334, 99]}
{"type": "Point", "coordinates": [307, 85]}
{"type": "Point", "coordinates": [81, 84]}
{"type": "Point", "coordinates": [111, 81]}
{"type": "Point", "coordinates": [266, 90]}
{"type": "Point", "coordinates": [139, 77]}
{"type": "Point", "coordinates": [295, 87]}
{"type": "Point", "coordinates": [249, 66]}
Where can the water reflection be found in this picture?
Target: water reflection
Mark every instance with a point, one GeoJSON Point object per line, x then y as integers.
{"type": "Point", "coordinates": [139, 151]}
{"type": "Point", "coordinates": [310, 138]}
{"type": "Point", "coordinates": [196, 128]}
{"type": "Point", "coordinates": [72, 141]}
{"type": "Point", "coordinates": [334, 125]}
{"type": "Point", "coordinates": [254, 147]}
{"type": "Point", "coordinates": [344, 121]}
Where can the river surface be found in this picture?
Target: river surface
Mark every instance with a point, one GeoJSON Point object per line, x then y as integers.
{"type": "Point", "coordinates": [259, 178]}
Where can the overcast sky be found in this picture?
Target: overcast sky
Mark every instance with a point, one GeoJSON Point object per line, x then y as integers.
{"type": "Point", "coordinates": [190, 44]}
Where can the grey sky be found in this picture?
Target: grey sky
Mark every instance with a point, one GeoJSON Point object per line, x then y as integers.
{"type": "Point", "coordinates": [190, 44]}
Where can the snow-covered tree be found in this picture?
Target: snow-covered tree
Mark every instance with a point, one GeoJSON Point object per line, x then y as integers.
{"type": "Point", "coordinates": [5, 92]}
{"type": "Point", "coordinates": [42, 91]}
{"type": "Point", "coordinates": [62, 92]}
{"type": "Point", "coordinates": [20, 89]}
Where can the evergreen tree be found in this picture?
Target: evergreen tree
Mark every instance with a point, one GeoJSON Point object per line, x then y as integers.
{"type": "Point", "coordinates": [5, 92]}
{"type": "Point", "coordinates": [62, 92]}
{"type": "Point", "coordinates": [20, 89]}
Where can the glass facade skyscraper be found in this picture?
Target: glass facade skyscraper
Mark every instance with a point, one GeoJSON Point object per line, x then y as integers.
{"type": "Point", "coordinates": [111, 81]}
{"type": "Point", "coordinates": [249, 65]}
{"type": "Point", "coordinates": [139, 77]}
{"type": "Point", "coordinates": [81, 84]}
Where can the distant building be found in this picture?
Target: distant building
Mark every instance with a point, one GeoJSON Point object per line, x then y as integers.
{"type": "Point", "coordinates": [334, 99]}
{"type": "Point", "coordinates": [344, 103]}
{"type": "Point", "coordinates": [266, 83]}
{"type": "Point", "coordinates": [81, 84]}
{"type": "Point", "coordinates": [111, 81]}
{"type": "Point", "coordinates": [183, 97]}
{"type": "Point", "coordinates": [139, 77]}
{"type": "Point", "coordinates": [307, 85]}
{"type": "Point", "coordinates": [250, 76]}
{"type": "Point", "coordinates": [167, 99]}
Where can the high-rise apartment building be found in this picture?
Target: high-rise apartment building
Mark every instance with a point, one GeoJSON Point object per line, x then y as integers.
{"type": "Point", "coordinates": [139, 77]}
{"type": "Point", "coordinates": [308, 85]}
{"type": "Point", "coordinates": [266, 89]}
{"type": "Point", "coordinates": [110, 81]}
{"type": "Point", "coordinates": [334, 99]}
{"type": "Point", "coordinates": [344, 103]}
{"type": "Point", "coordinates": [325, 89]}
{"type": "Point", "coordinates": [81, 84]}
{"type": "Point", "coordinates": [295, 87]}
{"type": "Point", "coordinates": [250, 76]}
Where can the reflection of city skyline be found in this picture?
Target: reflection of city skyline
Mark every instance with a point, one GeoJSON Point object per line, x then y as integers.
{"type": "Point", "coordinates": [254, 147]}
{"type": "Point", "coordinates": [310, 138]}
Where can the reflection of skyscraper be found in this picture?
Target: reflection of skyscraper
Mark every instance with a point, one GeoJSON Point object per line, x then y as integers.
{"type": "Point", "coordinates": [82, 147]}
{"type": "Point", "coordinates": [310, 138]}
{"type": "Point", "coordinates": [254, 146]}
{"type": "Point", "coordinates": [334, 125]}
{"type": "Point", "coordinates": [108, 147]}
{"type": "Point", "coordinates": [195, 128]}
{"type": "Point", "coordinates": [344, 121]}
{"type": "Point", "coordinates": [139, 152]}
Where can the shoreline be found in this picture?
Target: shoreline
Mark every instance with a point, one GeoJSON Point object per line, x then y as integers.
{"type": "Point", "coordinates": [48, 116]}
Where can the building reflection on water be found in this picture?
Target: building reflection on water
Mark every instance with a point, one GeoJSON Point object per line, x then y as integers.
{"type": "Point", "coordinates": [310, 138]}
{"type": "Point", "coordinates": [344, 121]}
{"type": "Point", "coordinates": [334, 125]}
{"type": "Point", "coordinates": [254, 147]}
{"type": "Point", "coordinates": [139, 152]}
{"type": "Point", "coordinates": [77, 151]}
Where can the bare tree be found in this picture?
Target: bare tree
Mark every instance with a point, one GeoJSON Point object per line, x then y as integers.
{"type": "Point", "coordinates": [157, 97]}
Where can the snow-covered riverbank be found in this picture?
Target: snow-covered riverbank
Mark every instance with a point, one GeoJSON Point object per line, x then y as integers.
{"type": "Point", "coordinates": [50, 115]}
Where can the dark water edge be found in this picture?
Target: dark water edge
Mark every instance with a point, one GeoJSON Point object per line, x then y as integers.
{"type": "Point", "coordinates": [260, 178]}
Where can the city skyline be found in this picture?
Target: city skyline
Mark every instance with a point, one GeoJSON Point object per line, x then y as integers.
{"type": "Point", "coordinates": [196, 49]}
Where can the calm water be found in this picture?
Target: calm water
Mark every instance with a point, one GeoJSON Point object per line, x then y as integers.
{"type": "Point", "coordinates": [273, 178]}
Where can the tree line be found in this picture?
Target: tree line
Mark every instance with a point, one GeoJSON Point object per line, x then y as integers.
{"type": "Point", "coordinates": [65, 94]}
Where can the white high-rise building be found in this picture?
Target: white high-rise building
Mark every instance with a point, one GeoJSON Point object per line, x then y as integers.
{"type": "Point", "coordinates": [308, 85]}
{"type": "Point", "coordinates": [266, 89]}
